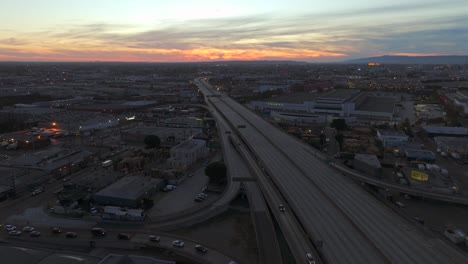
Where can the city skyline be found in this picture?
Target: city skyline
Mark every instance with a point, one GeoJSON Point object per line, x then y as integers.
{"type": "Point", "coordinates": [159, 31]}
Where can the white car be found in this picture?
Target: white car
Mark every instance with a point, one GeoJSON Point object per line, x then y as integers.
{"type": "Point", "coordinates": [28, 229]}
{"type": "Point", "coordinates": [10, 227]}
{"type": "Point", "coordinates": [310, 258]}
{"type": "Point", "coordinates": [178, 243]}
{"type": "Point", "coordinates": [14, 233]}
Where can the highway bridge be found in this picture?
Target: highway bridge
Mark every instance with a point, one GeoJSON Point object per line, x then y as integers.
{"type": "Point", "coordinates": [345, 222]}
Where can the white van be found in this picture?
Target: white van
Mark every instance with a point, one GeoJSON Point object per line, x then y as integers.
{"type": "Point", "coordinates": [455, 235]}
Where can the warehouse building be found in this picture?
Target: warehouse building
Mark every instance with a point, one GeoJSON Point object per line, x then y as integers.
{"type": "Point", "coordinates": [344, 103]}
{"type": "Point", "coordinates": [128, 191]}
{"type": "Point", "coordinates": [187, 153]}
{"type": "Point", "coordinates": [367, 164]}
{"type": "Point", "coordinates": [445, 131]}
{"type": "Point", "coordinates": [420, 155]}
{"type": "Point", "coordinates": [391, 138]}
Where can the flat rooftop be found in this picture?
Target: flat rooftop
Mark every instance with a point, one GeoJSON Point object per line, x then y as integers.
{"type": "Point", "coordinates": [129, 187]}
{"type": "Point", "coordinates": [154, 130]}
{"type": "Point", "coordinates": [376, 104]}
{"type": "Point", "coordinates": [395, 133]}
{"type": "Point", "coordinates": [341, 94]}
{"type": "Point", "coordinates": [189, 144]}
{"type": "Point", "coordinates": [294, 98]}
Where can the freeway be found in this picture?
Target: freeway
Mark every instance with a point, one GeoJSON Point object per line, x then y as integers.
{"type": "Point", "coordinates": [264, 230]}
{"type": "Point", "coordinates": [349, 223]}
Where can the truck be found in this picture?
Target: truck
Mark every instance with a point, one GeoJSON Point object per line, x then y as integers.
{"type": "Point", "coordinates": [106, 163]}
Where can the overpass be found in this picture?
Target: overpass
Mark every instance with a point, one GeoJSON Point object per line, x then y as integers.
{"type": "Point", "coordinates": [346, 223]}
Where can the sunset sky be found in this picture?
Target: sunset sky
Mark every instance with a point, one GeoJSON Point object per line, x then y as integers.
{"type": "Point", "coordinates": [204, 30]}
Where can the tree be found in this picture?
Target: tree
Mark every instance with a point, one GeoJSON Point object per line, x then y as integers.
{"type": "Point", "coordinates": [339, 124]}
{"type": "Point", "coordinates": [340, 139]}
{"type": "Point", "coordinates": [216, 171]}
{"type": "Point", "coordinates": [152, 141]}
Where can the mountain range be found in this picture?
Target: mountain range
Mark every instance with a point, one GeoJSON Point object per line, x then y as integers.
{"type": "Point", "coordinates": [387, 59]}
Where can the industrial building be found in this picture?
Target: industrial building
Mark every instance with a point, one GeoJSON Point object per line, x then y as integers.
{"type": "Point", "coordinates": [349, 103]}
{"type": "Point", "coordinates": [168, 135]}
{"type": "Point", "coordinates": [187, 153]}
{"type": "Point", "coordinates": [298, 117]}
{"type": "Point", "coordinates": [433, 131]}
{"type": "Point", "coordinates": [391, 138]}
{"type": "Point", "coordinates": [56, 161]}
{"type": "Point", "coordinates": [129, 191]}
{"type": "Point", "coordinates": [420, 155]}
{"type": "Point", "coordinates": [367, 164]}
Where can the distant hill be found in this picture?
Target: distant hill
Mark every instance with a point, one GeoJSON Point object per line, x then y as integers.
{"type": "Point", "coordinates": [413, 60]}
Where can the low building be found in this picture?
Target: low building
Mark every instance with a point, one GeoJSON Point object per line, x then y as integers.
{"type": "Point", "coordinates": [344, 103]}
{"type": "Point", "coordinates": [168, 135]}
{"type": "Point", "coordinates": [58, 162]}
{"type": "Point", "coordinates": [298, 117]}
{"type": "Point", "coordinates": [445, 131]}
{"type": "Point", "coordinates": [367, 164]}
{"type": "Point", "coordinates": [187, 153]}
{"type": "Point", "coordinates": [420, 155]}
{"type": "Point", "coordinates": [128, 191]}
{"type": "Point", "coordinates": [391, 138]}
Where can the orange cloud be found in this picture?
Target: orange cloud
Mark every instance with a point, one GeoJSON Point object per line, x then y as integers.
{"type": "Point", "coordinates": [156, 55]}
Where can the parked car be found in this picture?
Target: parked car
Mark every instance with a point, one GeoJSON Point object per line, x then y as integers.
{"type": "Point", "coordinates": [37, 191]}
{"type": "Point", "coordinates": [178, 243]}
{"type": "Point", "coordinates": [57, 230]}
{"type": "Point", "coordinates": [98, 231]}
{"type": "Point", "coordinates": [71, 235]}
{"type": "Point", "coordinates": [28, 229]}
{"type": "Point", "coordinates": [154, 238]}
{"type": "Point", "coordinates": [10, 227]}
{"type": "Point", "coordinates": [14, 233]}
{"type": "Point", "coordinates": [124, 236]}
{"type": "Point", "coordinates": [201, 249]}
{"type": "Point", "coordinates": [35, 234]}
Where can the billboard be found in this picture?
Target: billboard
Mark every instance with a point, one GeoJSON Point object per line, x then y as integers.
{"type": "Point", "coordinates": [420, 176]}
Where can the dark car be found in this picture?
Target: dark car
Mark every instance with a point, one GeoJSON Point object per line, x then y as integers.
{"type": "Point", "coordinates": [281, 208]}
{"type": "Point", "coordinates": [57, 230]}
{"type": "Point", "coordinates": [419, 220]}
{"type": "Point", "coordinates": [71, 235]}
{"type": "Point", "coordinates": [35, 234]}
{"type": "Point", "coordinates": [201, 248]}
{"type": "Point", "coordinates": [124, 236]}
{"type": "Point", "coordinates": [154, 238]}
{"type": "Point", "coordinates": [98, 231]}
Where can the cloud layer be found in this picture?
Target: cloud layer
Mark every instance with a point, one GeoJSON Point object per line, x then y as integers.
{"type": "Point", "coordinates": [332, 36]}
